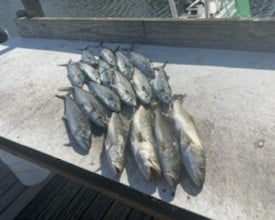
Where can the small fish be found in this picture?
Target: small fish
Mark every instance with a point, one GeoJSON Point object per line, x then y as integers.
{"type": "Point", "coordinates": [88, 57]}
{"type": "Point", "coordinates": [142, 87]}
{"type": "Point", "coordinates": [124, 65]}
{"type": "Point", "coordinates": [74, 74]}
{"type": "Point", "coordinates": [191, 148]}
{"type": "Point", "coordinates": [102, 66]}
{"type": "Point", "coordinates": [161, 87]}
{"type": "Point", "coordinates": [90, 105]}
{"type": "Point", "coordinates": [106, 77]}
{"type": "Point", "coordinates": [90, 72]}
{"type": "Point", "coordinates": [108, 56]}
{"type": "Point", "coordinates": [167, 148]}
{"type": "Point", "coordinates": [106, 95]}
{"type": "Point", "coordinates": [78, 124]}
{"type": "Point", "coordinates": [124, 89]}
{"type": "Point", "coordinates": [115, 143]}
{"type": "Point", "coordinates": [143, 144]}
{"type": "Point", "coordinates": [142, 63]}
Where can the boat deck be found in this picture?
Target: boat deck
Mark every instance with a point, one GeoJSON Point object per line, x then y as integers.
{"type": "Point", "coordinates": [230, 95]}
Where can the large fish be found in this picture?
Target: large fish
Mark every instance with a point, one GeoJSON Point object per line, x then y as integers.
{"type": "Point", "coordinates": [124, 65]}
{"type": "Point", "coordinates": [78, 123]}
{"type": "Point", "coordinates": [142, 63]}
{"type": "Point", "coordinates": [143, 144]}
{"type": "Point", "coordinates": [115, 142]}
{"type": "Point", "coordinates": [108, 55]}
{"type": "Point", "coordinates": [167, 148]}
{"type": "Point", "coordinates": [106, 95]}
{"type": "Point", "coordinates": [124, 89]}
{"type": "Point", "coordinates": [106, 77]}
{"type": "Point", "coordinates": [142, 87]}
{"type": "Point", "coordinates": [90, 72]}
{"type": "Point", "coordinates": [74, 74]}
{"type": "Point", "coordinates": [88, 57]}
{"type": "Point", "coordinates": [191, 148]}
{"type": "Point", "coordinates": [90, 105]}
{"type": "Point", "coordinates": [161, 87]}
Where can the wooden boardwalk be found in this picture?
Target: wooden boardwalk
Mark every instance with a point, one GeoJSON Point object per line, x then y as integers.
{"type": "Point", "coordinates": [58, 198]}
{"type": "Point", "coordinates": [63, 199]}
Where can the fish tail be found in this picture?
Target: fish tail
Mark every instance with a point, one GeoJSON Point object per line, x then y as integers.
{"type": "Point", "coordinates": [65, 64]}
{"type": "Point", "coordinates": [85, 48]}
{"type": "Point", "coordinates": [117, 48]}
{"type": "Point", "coordinates": [179, 97]}
{"type": "Point", "coordinates": [164, 64]}
{"type": "Point", "coordinates": [132, 47]}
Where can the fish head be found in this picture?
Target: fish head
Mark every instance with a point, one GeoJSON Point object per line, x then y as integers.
{"type": "Point", "coordinates": [167, 98]}
{"type": "Point", "coordinates": [116, 106]}
{"type": "Point", "coordinates": [100, 119]}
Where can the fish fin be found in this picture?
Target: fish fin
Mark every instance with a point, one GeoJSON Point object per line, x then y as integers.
{"type": "Point", "coordinates": [65, 89]}
{"type": "Point", "coordinates": [60, 96]}
{"type": "Point", "coordinates": [164, 64]}
{"type": "Point", "coordinates": [179, 97]}
{"type": "Point", "coordinates": [132, 47]}
{"type": "Point", "coordinates": [140, 137]}
{"type": "Point", "coordinates": [117, 48]}
{"type": "Point", "coordinates": [155, 170]}
{"type": "Point", "coordinates": [85, 48]}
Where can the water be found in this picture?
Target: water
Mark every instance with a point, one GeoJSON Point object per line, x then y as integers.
{"type": "Point", "coordinates": [107, 8]}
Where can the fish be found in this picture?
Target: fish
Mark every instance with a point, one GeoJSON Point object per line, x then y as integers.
{"type": "Point", "coordinates": [106, 77]}
{"type": "Point", "coordinates": [107, 55]}
{"type": "Point", "coordinates": [90, 105]}
{"type": "Point", "coordinates": [115, 143]}
{"type": "Point", "coordinates": [103, 65]}
{"type": "Point", "coordinates": [124, 89]}
{"type": "Point", "coordinates": [88, 57]}
{"type": "Point", "coordinates": [124, 65]}
{"type": "Point", "coordinates": [78, 123]}
{"type": "Point", "coordinates": [141, 62]}
{"type": "Point", "coordinates": [167, 148]}
{"type": "Point", "coordinates": [108, 97]}
{"type": "Point", "coordinates": [161, 87]}
{"type": "Point", "coordinates": [142, 87]}
{"type": "Point", "coordinates": [90, 72]}
{"type": "Point", "coordinates": [191, 149]}
{"type": "Point", "coordinates": [142, 144]}
{"type": "Point", "coordinates": [74, 74]}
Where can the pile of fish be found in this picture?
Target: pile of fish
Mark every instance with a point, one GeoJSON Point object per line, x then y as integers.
{"type": "Point", "coordinates": [161, 141]}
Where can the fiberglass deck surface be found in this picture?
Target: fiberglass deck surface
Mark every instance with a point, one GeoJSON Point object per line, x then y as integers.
{"type": "Point", "coordinates": [230, 94]}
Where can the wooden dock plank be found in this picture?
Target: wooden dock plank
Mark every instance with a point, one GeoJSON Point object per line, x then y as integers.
{"type": "Point", "coordinates": [98, 208]}
{"type": "Point", "coordinates": [60, 201]}
{"type": "Point", "coordinates": [248, 34]}
{"type": "Point", "coordinates": [39, 203]}
{"type": "Point", "coordinates": [15, 190]}
{"type": "Point", "coordinates": [76, 208]}
{"type": "Point", "coordinates": [117, 211]}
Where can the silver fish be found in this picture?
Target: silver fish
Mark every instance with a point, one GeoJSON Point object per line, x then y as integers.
{"type": "Point", "coordinates": [88, 57]}
{"type": "Point", "coordinates": [191, 148]}
{"type": "Point", "coordinates": [142, 63]}
{"type": "Point", "coordinates": [78, 123]}
{"type": "Point", "coordinates": [115, 143]}
{"type": "Point", "coordinates": [106, 77]}
{"type": "Point", "coordinates": [106, 95]}
{"type": "Point", "coordinates": [142, 87]}
{"type": "Point", "coordinates": [108, 56]}
{"type": "Point", "coordinates": [167, 148]}
{"type": "Point", "coordinates": [143, 144]}
{"type": "Point", "coordinates": [161, 87]}
{"type": "Point", "coordinates": [90, 72]}
{"type": "Point", "coordinates": [124, 65]}
{"type": "Point", "coordinates": [102, 66]}
{"type": "Point", "coordinates": [124, 89]}
{"type": "Point", "coordinates": [90, 105]}
{"type": "Point", "coordinates": [74, 74]}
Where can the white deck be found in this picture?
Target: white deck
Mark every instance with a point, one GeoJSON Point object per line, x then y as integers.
{"type": "Point", "coordinates": [231, 95]}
